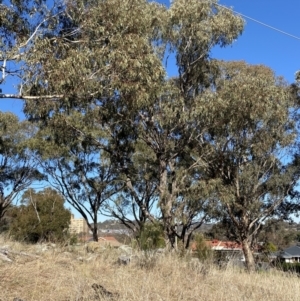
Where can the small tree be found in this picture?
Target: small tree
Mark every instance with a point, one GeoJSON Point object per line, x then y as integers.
{"type": "Point", "coordinates": [252, 148]}
{"type": "Point", "coordinates": [151, 236]}
{"type": "Point", "coordinates": [17, 169]}
{"type": "Point", "coordinates": [41, 217]}
{"type": "Point", "coordinates": [202, 250]}
{"type": "Point", "coordinates": [81, 172]}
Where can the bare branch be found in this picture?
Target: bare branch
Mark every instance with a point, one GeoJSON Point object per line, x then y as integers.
{"type": "Point", "coordinates": [29, 97]}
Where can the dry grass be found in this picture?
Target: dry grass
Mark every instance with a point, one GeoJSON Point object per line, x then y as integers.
{"type": "Point", "coordinates": [61, 274]}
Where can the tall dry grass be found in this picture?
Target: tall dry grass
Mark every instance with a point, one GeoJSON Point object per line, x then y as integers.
{"type": "Point", "coordinates": [68, 274]}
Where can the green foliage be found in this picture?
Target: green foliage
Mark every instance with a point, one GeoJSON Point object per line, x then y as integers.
{"type": "Point", "coordinates": [22, 22]}
{"type": "Point", "coordinates": [280, 233]}
{"type": "Point", "coordinates": [41, 217]}
{"type": "Point", "coordinates": [151, 237]}
{"type": "Point", "coordinates": [17, 168]}
{"type": "Point", "coordinates": [269, 248]}
{"type": "Point", "coordinates": [202, 250]}
{"type": "Point", "coordinates": [73, 240]}
{"type": "Point", "coordinates": [289, 267]}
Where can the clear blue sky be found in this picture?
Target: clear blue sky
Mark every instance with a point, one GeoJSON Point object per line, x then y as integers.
{"type": "Point", "coordinates": [257, 45]}
{"type": "Point", "coordinates": [261, 45]}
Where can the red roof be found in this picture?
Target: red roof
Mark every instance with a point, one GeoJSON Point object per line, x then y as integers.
{"type": "Point", "coordinates": [220, 245]}
{"type": "Point", "coordinates": [107, 238]}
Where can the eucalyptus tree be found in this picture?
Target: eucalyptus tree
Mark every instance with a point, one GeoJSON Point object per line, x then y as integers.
{"type": "Point", "coordinates": [174, 127]}
{"type": "Point", "coordinates": [76, 167]}
{"type": "Point", "coordinates": [17, 169]}
{"type": "Point", "coordinates": [174, 134]}
{"type": "Point", "coordinates": [83, 84]}
{"type": "Point", "coordinates": [252, 145]}
{"type": "Point", "coordinates": [101, 74]}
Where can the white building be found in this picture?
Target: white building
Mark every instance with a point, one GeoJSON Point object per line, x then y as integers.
{"type": "Point", "coordinates": [78, 226]}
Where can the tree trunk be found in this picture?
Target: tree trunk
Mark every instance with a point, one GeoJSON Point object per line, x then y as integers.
{"type": "Point", "coordinates": [3, 208]}
{"type": "Point", "coordinates": [249, 258]}
{"type": "Point", "coordinates": [1, 211]}
{"type": "Point", "coordinates": [165, 205]}
{"type": "Point", "coordinates": [95, 233]}
{"type": "Point", "coordinates": [188, 240]}
{"type": "Point", "coordinates": [170, 237]}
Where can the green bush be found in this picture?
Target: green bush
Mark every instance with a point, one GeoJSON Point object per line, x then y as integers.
{"type": "Point", "coordinates": [289, 267]}
{"type": "Point", "coordinates": [151, 237]}
{"type": "Point", "coordinates": [73, 240]}
{"type": "Point", "coordinates": [41, 217]}
{"type": "Point", "coordinates": [202, 251]}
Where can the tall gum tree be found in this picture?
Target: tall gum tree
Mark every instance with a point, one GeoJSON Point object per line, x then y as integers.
{"type": "Point", "coordinates": [253, 147]}
{"type": "Point", "coordinates": [86, 78]}
{"type": "Point", "coordinates": [174, 127]}
{"type": "Point", "coordinates": [103, 65]}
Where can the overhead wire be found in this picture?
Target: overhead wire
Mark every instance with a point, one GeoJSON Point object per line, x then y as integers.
{"type": "Point", "coordinates": [261, 23]}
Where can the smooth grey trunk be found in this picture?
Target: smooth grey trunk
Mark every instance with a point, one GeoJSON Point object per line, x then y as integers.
{"type": "Point", "coordinates": [166, 202]}
{"type": "Point", "coordinates": [249, 258]}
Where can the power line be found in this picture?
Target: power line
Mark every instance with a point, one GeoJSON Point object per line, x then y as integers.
{"type": "Point", "coordinates": [261, 23]}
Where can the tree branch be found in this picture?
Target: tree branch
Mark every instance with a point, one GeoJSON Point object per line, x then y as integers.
{"type": "Point", "coordinates": [29, 97]}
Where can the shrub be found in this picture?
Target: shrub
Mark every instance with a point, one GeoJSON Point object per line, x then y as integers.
{"type": "Point", "coordinates": [289, 267]}
{"type": "Point", "coordinates": [41, 217]}
{"type": "Point", "coordinates": [202, 250]}
{"type": "Point", "coordinates": [151, 237]}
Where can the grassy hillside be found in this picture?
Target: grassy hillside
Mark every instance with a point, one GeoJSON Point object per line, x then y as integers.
{"type": "Point", "coordinates": [70, 273]}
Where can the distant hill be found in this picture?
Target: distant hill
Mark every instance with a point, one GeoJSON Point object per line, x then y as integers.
{"type": "Point", "coordinates": [115, 226]}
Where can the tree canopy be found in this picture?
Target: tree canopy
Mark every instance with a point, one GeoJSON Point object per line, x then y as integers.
{"type": "Point", "coordinates": [41, 217]}
{"type": "Point", "coordinates": [17, 167]}
{"type": "Point", "coordinates": [252, 146]}
{"type": "Point", "coordinates": [104, 69]}
{"type": "Point", "coordinates": [116, 135]}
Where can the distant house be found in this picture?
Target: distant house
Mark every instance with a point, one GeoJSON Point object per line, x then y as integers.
{"type": "Point", "coordinates": [225, 249]}
{"type": "Point", "coordinates": [291, 254]}
{"type": "Point", "coordinates": [228, 249]}
{"type": "Point", "coordinates": [224, 245]}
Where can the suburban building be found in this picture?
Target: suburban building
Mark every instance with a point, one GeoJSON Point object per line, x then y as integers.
{"type": "Point", "coordinates": [291, 254]}
{"type": "Point", "coordinates": [78, 226]}
{"type": "Point", "coordinates": [226, 250]}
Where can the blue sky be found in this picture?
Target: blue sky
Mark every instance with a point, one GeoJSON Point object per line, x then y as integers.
{"type": "Point", "coordinates": [257, 45]}
{"type": "Point", "coordinates": [261, 45]}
